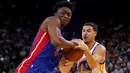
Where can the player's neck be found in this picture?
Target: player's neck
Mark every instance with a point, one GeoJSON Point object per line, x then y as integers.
{"type": "Point", "coordinates": [90, 44]}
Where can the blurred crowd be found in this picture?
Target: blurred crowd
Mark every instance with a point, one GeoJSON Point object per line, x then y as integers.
{"type": "Point", "coordinates": [118, 49]}
{"type": "Point", "coordinates": [15, 44]}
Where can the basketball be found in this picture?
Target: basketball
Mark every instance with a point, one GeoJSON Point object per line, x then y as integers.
{"type": "Point", "coordinates": [72, 54]}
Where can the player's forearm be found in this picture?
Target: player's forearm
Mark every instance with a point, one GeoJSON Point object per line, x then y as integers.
{"type": "Point", "coordinates": [91, 61]}
{"type": "Point", "coordinates": [96, 70]}
{"type": "Point", "coordinates": [65, 67]}
{"type": "Point", "coordinates": [66, 44]}
{"type": "Point", "coordinates": [62, 43]}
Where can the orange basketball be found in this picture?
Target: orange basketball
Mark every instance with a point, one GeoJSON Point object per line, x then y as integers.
{"type": "Point", "coordinates": [72, 54]}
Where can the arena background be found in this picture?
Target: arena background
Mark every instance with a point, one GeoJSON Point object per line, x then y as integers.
{"type": "Point", "coordinates": [19, 22]}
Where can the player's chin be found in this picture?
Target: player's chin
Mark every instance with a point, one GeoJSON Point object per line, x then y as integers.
{"type": "Point", "coordinates": [65, 23]}
{"type": "Point", "coordinates": [85, 41]}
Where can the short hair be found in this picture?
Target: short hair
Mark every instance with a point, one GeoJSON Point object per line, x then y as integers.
{"type": "Point", "coordinates": [63, 4]}
{"type": "Point", "coordinates": [95, 27]}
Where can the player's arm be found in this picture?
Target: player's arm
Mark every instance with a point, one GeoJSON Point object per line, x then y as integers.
{"type": "Point", "coordinates": [53, 28]}
{"type": "Point", "coordinates": [99, 54]}
{"type": "Point", "coordinates": [65, 65]}
{"type": "Point", "coordinates": [96, 70]}
{"type": "Point", "coordinates": [97, 57]}
{"type": "Point", "coordinates": [90, 59]}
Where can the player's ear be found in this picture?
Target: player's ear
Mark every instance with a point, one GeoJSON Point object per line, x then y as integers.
{"type": "Point", "coordinates": [96, 33]}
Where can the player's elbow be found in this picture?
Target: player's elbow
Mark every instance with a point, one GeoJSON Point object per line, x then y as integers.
{"type": "Point", "coordinates": [56, 43]}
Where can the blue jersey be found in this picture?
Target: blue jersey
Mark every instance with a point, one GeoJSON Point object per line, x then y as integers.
{"type": "Point", "coordinates": [42, 57]}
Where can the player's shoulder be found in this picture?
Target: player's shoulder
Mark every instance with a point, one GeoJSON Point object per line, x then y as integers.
{"type": "Point", "coordinates": [101, 47]}
{"type": "Point", "coordinates": [52, 18]}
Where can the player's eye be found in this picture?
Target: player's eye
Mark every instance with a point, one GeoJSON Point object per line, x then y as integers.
{"type": "Point", "coordinates": [89, 30]}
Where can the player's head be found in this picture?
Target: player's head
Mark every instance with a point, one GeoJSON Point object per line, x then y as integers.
{"type": "Point", "coordinates": [64, 11]}
{"type": "Point", "coordinates": [89, 31]}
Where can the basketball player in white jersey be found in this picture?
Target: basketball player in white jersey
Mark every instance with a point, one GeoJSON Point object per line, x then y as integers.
{"type": "Point", "coordinates": [93, 60]}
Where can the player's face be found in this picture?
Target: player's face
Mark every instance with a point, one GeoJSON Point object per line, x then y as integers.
{"type": "Point", "coordinates": [64, 14]}
{"type": "Point", "coordinates": [88, 34]}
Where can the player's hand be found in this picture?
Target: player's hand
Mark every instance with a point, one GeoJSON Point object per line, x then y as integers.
{"type": "Point", "coordinates": [80, 43]}
{"type": "Point", "coordinates": [65, 65]}
{"type": "Point", "coordinates": [65, 62]}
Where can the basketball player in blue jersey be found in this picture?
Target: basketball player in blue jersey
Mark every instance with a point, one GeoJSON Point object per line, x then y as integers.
{"type": "Point", "coordinates": [93, 60]}
{"type": "Point", "coordinates": [42, 57]}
